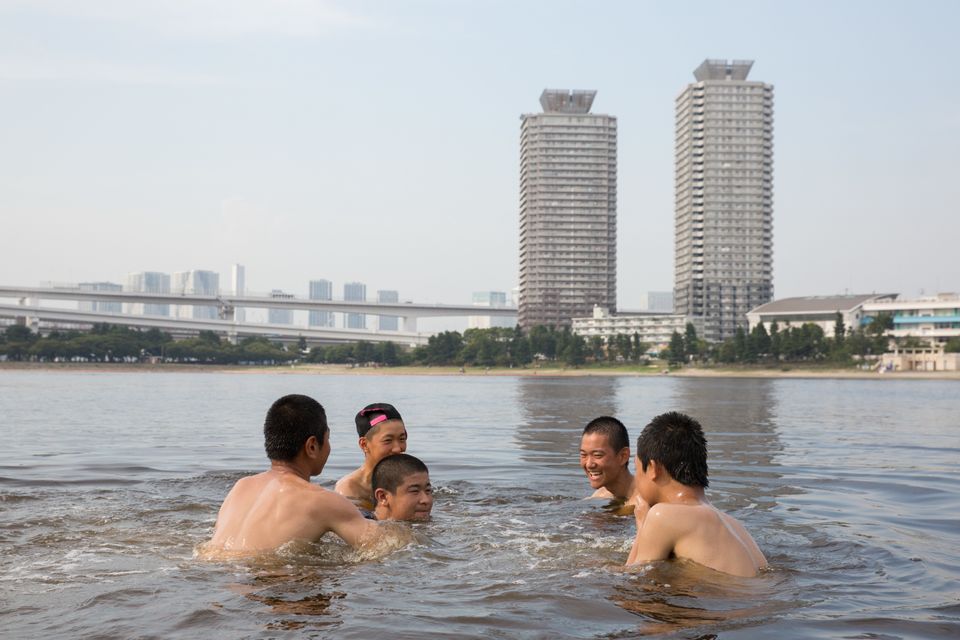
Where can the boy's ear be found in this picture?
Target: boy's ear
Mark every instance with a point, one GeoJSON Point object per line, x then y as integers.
{"type": "Point", "coordinates": [363, 443]}
{"type": "Point", "coordinates": [380, 496]}
{"type": "Point", "coordinates": [312, 446]}
{"type": "Point", "coordinates": [656, 469]}
{"type": "Point", "coordinates": [624, 455]}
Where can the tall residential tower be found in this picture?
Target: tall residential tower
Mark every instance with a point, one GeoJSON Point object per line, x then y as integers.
{"type": "Point", "coordinates": [723, 260]}
{"type": "Point", "coordinates": [568, 210]}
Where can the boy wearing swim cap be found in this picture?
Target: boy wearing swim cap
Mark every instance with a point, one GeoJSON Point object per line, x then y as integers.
{"type": "Point", "coordinates": [679, 521]}
{"type": "Point", "coordinates": [381, 433]}
{"type": "Point", "coordinates": [402, 489]}
{"type": "Point", "coordinates": [604, 458]}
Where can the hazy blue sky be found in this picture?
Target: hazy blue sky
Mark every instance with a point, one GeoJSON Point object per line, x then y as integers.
{"type": "Point", "coordinates": [378, 141]}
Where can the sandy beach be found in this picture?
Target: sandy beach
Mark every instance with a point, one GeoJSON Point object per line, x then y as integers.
{"type": "Point", "coordinates": [546, 372]}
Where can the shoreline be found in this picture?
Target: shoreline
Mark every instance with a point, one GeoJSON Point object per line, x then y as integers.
{"type": "Point", "coordinates": [474, 372]}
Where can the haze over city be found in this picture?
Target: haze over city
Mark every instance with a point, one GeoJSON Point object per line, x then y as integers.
{"type": "Point", "coordinates": [378, 142]}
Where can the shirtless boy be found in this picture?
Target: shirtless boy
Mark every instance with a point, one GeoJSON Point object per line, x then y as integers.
{"type": "Point", "coordinates": [673, 516]}
{"type": "Point", "coordinates": [402, 489]}
{"type": "Point", "coordinates": [272, 508]}
{"type": "Point", "coordinates": [604, 457]}
{"type": "Point", "coordinates": [382, 433]}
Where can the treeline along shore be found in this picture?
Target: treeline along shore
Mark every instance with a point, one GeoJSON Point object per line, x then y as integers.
{"type": "Point", "coordinates": [802, 347]}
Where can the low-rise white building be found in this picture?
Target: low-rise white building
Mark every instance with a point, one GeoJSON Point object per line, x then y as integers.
{"type": "Point", "coordinates": [654, 329]}
{"type": "Point", "coordinates": [931, 358]}
{"type": "Point", "coordinates": [935, 318]}
{"type": "Point", "coordinates": [819, 310]}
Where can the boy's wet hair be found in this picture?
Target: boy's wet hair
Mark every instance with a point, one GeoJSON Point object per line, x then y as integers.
{"type": "Point", "coordinates": [392, 470]}
{"type": "Point", "coordinates": [676, 441]}
{"type": "Point", "coordinates": [373, 414]}
{"type": "Point", "coordinates": [612, 428]}
{"type": "Point", "coordinates": [290, 421]}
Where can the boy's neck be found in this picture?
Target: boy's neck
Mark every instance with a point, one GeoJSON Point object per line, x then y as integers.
{"type": "Point", "coordinates": [623, 486]}
{"type": "Point", "coordinates": [366, 469]}
{"type": "Point", "coordinates": [674, 492]}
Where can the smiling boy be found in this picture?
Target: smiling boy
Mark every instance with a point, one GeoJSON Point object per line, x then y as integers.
{"type": "Point", "coordinates": [604, 458]}
{"type": "Point", "coordinates": [679, 521]}
{"type": "Point", "coordinates": [402, 489]}
{"type": "Point", "coordinates": [382, 433]}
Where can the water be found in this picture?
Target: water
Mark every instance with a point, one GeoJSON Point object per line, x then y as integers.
{"type": "Point", "coordinates": [108, 481]}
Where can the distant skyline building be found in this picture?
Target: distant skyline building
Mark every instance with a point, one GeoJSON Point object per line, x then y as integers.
{"type": "Point", "coordinates": [238, 285]}
{"type": "Point", "coordinates": [321, 290]}
{"type": "Point", "coordinates": [196, 282]}
{"type": "Point", "coordinates": [148, 282]}
{"type": "Point", "coordinates": [568, 210]}
{"type": "Point", "coordinates": [280, 316]}
{"type": "Point", "coordinates": [723, 260]}
{"type": "Point", "coordinates": [97, 306]}
{"type": "Point", "coordinates": [657, 301]}
{"type": "Point", "coordinates": [355, 292]}
{"type": "Point", "coordinates": [492, 299]}
{"type": "Point", "coordinates": [388, 323]}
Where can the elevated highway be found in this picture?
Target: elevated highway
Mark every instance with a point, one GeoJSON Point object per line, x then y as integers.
{"type": "Point", "coordinates": [26, 304]}
{"type": "Point", "coordinates": [33, 315]}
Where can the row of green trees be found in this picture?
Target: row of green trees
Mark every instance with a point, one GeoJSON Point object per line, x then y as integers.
{"type": "Point", "coordinates": [474, 347]}
{"type": "Point", "coordinates": [111, 343]}
{"type": "Point", "coordinates": [804, 343]}
{"type": "Point", "coordinates": [495, 347]}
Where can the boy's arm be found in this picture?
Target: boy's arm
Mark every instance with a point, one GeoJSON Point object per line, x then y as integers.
{"type": "Point", "coordinates": [654, 539]}
{"type": "Point", "coordinates": [344, 519]}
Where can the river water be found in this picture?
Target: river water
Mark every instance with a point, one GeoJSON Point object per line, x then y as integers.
{"type": "Point", "coordinates": [109, 480]}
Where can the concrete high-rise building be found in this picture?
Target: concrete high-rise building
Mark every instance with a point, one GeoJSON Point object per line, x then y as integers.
{"type": "Point", "coordinates": [97, 306]}
{"type": "Point", "coordinates": [196, 282]}
{"type": "Point", "coordinates": [388, 323]}
{"type": "Point", "coordinates": [238, 283]}
{"type": "Point", "coordinates": [723, 261]}
{"type": "Point", "coordinates": [148, 282]}
{"type": "Point", "coordinates": [568, 210]}
{"type": "Point", "coordinates": [280, 316]}
{"type": "Point", "coordinates": [321, 290]}
{"type": "Point", "coordinates": [355, 292]}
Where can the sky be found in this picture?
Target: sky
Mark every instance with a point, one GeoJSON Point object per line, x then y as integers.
{"type": "Point", "coordinates": [379, 141]}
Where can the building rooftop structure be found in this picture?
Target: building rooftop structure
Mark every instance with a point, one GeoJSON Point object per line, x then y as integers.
{"type": "Point", "coordinates": [723, 70]}
{"type": "Point", "coordinates": [819, 304]}
{"type": "Point", "coordinates": [564, 101]}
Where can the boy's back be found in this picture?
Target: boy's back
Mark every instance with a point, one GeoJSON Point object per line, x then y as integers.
{"type": "Point", "coordinates": [674, 518]}
{"type": "Point", "coordinates": [263, 511]}
{"type": "Point", "coordinates": [697, 532]}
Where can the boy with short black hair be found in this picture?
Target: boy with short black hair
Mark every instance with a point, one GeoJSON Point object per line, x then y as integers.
{"type": "Point", "coordinates": [605, 458]}
{"type": "Point", "coordinates": [267, 510]}
{"type": "Point", "coordinates": [674, 518]}
{"type": "Point", "coordinates": [402, 489]}
{"type": "Point", "coordinates": [381, 433]}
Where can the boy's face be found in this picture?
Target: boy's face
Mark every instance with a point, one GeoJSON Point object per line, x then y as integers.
{"type": "Point", "coordinates": [412, 501]}
{"type": "Point", "coordinates": [645, 483]}
{"type": "Point", "coordinates": [385, 439]}
{"type": "Point", "coordinates": [599, 461]}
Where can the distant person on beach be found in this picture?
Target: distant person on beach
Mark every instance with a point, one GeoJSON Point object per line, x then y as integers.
{"type": "Point", "coordinates": [674, 518]}
{"type": "Point", "coordinates": [382, 433]}
{"type": "Point", "coordinates": [605, 458]}
{"type": "Point", "coordinates": [402, 489]}
{"type": "Point", "coordinates": [267, 510]}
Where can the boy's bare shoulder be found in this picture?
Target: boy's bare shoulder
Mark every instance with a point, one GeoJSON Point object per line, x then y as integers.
{"type": "Point", "coordinates": [347, 483]}
{"type": "Point", "coordinates": [602, 492]}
